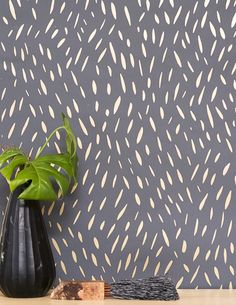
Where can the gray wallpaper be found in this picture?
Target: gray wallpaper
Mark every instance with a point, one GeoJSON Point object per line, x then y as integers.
{"type": "Point", "coordinates": [149, 87]}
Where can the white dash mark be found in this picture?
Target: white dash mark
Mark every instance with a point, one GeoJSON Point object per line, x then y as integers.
{"type": "Point", "coordinates": [11, 131]}
{"type": "Point", "coordinates": [226, 168]}
{"type": "Point", "coordinates": [127, 14]}
{"type": "Point", "coordinates": [116, 105]}
{"type": "Point", "coordinates": [43, 86]}
{"type": "Point", "coordinates": [12, 9]}
{"type": "Point", "coordinates": [140, 135]}
{"type": "Point", "coordinates": [228, 199]}
{"type": "Point", "coordinates": [166, 239]}
{"type": "Point", "coordinates": [178, 59]}
{"type": "Point", "coordinates": [25, 126]}
{"type": "Point", "coordinates": [91, 36]}
{"type": "Point", "coordinates": [202, 203]}
{"type": "Point", "coordinates": [113, 54]}
{"type": "Point", "coordinates": [113, 10]}
{"type": "Point", "coordinates": [210, 117]}
{"type": "Point", "coordinates": [19, 31]}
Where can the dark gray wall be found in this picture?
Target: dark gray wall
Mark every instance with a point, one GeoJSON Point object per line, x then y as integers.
{"type": "Point", "coordinates": [149, 88]}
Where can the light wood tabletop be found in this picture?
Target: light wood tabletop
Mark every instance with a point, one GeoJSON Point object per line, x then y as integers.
{"type": "Point", "coordinates": [187, 297]}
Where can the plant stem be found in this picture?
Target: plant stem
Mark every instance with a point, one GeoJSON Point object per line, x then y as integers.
{"type": "Point", "coordinates": [48, 139]}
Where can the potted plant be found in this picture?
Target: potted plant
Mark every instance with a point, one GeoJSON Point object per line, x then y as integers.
{"type": "Point", "coordinates": [27, 267]}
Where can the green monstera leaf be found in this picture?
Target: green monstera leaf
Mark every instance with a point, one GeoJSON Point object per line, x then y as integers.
{"type": "Point", "coordinates": [44, 175]}
{"type": "Point", "coordinates": [16, 158]}
{"type": "Point", "coordinates": [41, 173]}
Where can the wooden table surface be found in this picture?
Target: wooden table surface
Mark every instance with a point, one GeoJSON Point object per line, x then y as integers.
{"type": "Point", "coordinates": [187, 297]}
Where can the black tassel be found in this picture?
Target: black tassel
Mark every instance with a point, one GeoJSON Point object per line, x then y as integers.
{"type": "Point", "coordinates": [152, 288]}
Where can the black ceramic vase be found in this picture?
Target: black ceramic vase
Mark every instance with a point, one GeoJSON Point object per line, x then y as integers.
{"type": "Point", "coordinates": [27, 266]}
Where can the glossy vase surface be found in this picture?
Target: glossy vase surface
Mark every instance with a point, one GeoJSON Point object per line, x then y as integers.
{"type": "Point", "coordinates": [27, 266]}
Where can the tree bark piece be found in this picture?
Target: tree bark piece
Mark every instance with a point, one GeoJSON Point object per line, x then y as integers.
{"type": "Point", "coordinates": [79, 290]}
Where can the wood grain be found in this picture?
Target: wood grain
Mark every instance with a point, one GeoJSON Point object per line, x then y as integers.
{"type": "Point", "coordinates": [79, 290]}
{"type": "Point", "coordinates": [188, 296]}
